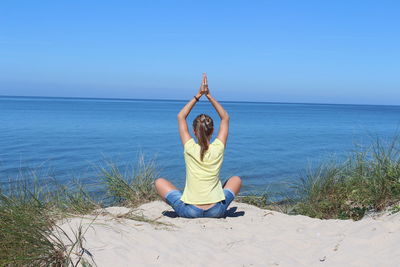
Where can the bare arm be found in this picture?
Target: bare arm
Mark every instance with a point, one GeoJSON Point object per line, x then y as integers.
{"type": "Point", "coordinates": [182, 124]}
{"type": "Point", "coordinates": [182, 115]}
{"type": "Point", "coordinates": [224, 125]}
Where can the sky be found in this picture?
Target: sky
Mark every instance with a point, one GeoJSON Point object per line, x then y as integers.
{"type": "Point", "coordinates": [272, 51]}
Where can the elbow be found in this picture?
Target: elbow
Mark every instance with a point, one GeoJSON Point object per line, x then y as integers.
{"type": "Point", "coordinates": [180, 117]}
{"type": "Point", "coordinates": [226, 117]}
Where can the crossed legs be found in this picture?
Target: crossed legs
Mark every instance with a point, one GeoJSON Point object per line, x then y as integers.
{"type": "Point", "coordinates": [163, 186]}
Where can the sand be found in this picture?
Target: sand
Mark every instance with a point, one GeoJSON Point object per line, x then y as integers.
{"type": "Point", "coordinates": [249, 237]}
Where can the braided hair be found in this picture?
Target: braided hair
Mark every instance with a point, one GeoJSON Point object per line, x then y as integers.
{"type": "Point", "coordinates": [203, 127]}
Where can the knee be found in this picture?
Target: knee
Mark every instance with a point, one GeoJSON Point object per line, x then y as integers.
{"type": "Point", "coordinates": [236, 179]}
{"type": "Point", "coordinates": [159, 181]}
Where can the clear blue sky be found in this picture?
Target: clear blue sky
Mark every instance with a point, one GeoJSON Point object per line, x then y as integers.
{"type": "Point", "coordinates": [286, 51]}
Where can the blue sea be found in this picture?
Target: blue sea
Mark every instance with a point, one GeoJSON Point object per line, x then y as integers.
{"type": "Point", "coordinates": [270, 145]}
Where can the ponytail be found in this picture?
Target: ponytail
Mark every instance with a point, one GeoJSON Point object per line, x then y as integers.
{"type": "Point", "coordinates": [203, 126]}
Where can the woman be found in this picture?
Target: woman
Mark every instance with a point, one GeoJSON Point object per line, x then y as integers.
{"type": "Point", "coordinates": [203, 195]}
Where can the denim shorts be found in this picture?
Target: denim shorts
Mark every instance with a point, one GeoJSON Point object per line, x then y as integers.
{"type": "Point", "coordinates": [173, 198]}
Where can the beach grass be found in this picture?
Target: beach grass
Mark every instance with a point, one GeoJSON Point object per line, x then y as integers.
{"type": "Point", "coordinates": [31, 206]}
{"type": "Point", "coordinates": [29, 235]}
{"type": "Point", "coordinates": [130, 187]}
{"type": "Point", "coordinates": [368, 181]}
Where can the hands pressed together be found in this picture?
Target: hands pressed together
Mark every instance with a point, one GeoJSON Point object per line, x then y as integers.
{"type": "Point", "coordinates": [204, 87]}
{"type": "Point", "coordinates": [183, 114]}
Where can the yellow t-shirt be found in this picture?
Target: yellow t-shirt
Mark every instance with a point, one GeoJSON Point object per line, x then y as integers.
{"type": "Point", "coordinates": [203, 185]}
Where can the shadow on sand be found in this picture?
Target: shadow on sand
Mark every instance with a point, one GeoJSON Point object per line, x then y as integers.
{"type": "Point", "coordinates": [231, 212]}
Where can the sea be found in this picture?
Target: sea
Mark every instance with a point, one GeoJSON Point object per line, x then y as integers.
{"type": "Point", "coordinates": [270, 145]}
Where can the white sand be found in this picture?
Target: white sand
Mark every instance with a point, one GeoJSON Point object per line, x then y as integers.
{"type": "Point", "coordinates": [257, 238]}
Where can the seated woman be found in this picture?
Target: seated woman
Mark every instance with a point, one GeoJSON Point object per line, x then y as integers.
{"type": "Point", "coordinates": [203, 195]}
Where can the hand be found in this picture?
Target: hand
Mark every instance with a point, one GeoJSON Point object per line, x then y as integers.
{"type": "Point", "coordinates": [204, 86]}
{"type": "Point", "coordinates": [206, 90]}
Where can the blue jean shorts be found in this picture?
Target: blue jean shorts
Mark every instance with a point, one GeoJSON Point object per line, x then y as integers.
{"type": "Point", "coordinates": [173, 198]}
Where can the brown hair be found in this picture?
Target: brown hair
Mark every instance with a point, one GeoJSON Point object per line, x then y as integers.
{"type": "Point", "coordinates": [203, 127]}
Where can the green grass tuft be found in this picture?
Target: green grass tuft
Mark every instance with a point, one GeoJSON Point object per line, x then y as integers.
{"type": "Point", "coordinates": [368, 181]}
{"type": "Point", "coordinates": [28, 232]}
{"type": "Point", "coordinates": [31, 205]}
{"type": "Point", "coordinates": [133, 187]}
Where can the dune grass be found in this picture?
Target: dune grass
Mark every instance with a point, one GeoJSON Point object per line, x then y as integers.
{"type": "Point", "coordinates": [133, 186]}
{"type": "Point", "coordinates": [31, 205]}
{"type": "Point", "coordinates": [368, 181]}
{"type": "Point", "coordinates": [29, 235]}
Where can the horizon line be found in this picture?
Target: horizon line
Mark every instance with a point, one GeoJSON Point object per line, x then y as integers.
{"type": "Point", "coordinates": [185, 100]}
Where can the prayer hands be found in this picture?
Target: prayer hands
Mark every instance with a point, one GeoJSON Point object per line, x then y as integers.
{"type": "Point", "coordinates": [204, 86]}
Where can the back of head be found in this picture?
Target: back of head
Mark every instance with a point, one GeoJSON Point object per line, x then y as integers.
{"type": "Point", "coordinates": [203, 126]}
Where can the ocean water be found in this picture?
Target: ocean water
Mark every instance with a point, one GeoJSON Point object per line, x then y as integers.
{"type": "Point", "coordinates": [270, 145]}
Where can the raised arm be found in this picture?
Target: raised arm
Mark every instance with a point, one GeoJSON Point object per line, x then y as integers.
{"type": "Point", "coordinates": [224, 125]}
{"type": "Point", "coordinates": [182, 115]}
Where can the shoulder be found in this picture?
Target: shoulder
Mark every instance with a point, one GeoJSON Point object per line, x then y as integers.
{"type": "Point", "coordinates": [189, 145]}
{"type": "Point", "coordinates": [218, 144]}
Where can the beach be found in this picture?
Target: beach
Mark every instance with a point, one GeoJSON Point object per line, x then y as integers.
{"type": "Point", "coordinates": [248, 236]}
{"type": "Point", "coordinates": [107, 108]}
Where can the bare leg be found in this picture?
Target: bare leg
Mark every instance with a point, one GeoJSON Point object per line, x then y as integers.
{"type": "Point", "coordinates": [163, 186]}
{"type": "Point", "coordinates": [234, 183]}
